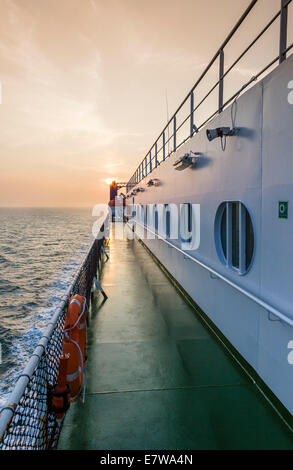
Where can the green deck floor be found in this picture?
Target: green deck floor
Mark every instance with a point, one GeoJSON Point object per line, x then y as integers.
{"type": "Point", "coordinates": [157, 378]}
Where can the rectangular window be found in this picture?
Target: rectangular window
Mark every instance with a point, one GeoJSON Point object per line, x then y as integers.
{"type": "Point", "coordinates": [186, 222]}
{"type": "Point", "coordinates": [146, 213]}
{"type": "Point", "coordinates": [224, 232]}
{"type": "Point", "coordinates": [235, 234]}
{"type": "Point", "coordinates": [167, 221]}
{"type": "Point", "coordinates": [189, 222]}
{"type": "Point", "coordinates": [249, 240]}
{"type": "Point", "coordinates": [156, 217]}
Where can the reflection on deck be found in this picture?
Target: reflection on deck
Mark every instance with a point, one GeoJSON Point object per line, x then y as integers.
{"type": "Point", "coordinates": [157, 377]}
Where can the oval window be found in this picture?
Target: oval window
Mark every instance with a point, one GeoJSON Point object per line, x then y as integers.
{"type": "Point", "coordinates": [234, 236]}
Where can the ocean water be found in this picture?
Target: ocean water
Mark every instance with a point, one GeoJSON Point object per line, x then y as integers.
{"type": "Point", "coordinates": [40, 249]}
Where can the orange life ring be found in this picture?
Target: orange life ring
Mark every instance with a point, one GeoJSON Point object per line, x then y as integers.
{"type": "Point", "coordinates": [74, 343]}
{"type": "Point", "coordinates": [60, 394]}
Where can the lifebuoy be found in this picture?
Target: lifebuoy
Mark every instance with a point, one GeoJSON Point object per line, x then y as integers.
{"type": "Point", "coordinates": [60, 394]}
{"type": "Point", "coordinates": [74, 343]}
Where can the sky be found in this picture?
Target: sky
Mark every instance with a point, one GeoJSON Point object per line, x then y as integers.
{"type": "Point", "coordinates": [85, 86]}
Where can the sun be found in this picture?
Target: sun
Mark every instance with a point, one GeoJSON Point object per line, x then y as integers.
{"type": "Point", "coordinates": [109, 180]}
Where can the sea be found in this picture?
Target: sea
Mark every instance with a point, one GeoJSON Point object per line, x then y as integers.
{"type": "Point", "coordinates": [40, 250]}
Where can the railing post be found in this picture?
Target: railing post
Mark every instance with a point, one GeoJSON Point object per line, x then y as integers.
{"type": "Point", "coordinates": [164, 144]}
{"type": "Point", "coordinates": [283, 29]}
{"type": "Point", "coordinates": [146, 166]}
{"type": "Point", "coordinates": [191, 113]}
{"type": "Point", "coordinates": [174, 134]}
{"type": "Point", "coordinates": [156, 154]}
{"type": "Point", "coordinates": [151, 165]}
{"type": "Point", "coordinates": [221, 81]}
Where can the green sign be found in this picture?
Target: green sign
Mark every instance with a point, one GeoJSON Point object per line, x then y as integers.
{"type": "Point", "coordinates": [283, 209]}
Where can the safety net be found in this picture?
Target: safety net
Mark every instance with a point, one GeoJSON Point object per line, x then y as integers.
{"type": "Point", "coordinates": [27, 422]}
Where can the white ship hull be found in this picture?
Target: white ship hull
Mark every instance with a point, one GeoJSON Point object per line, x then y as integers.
{"type": "Point", "coordinates": [256, 169]}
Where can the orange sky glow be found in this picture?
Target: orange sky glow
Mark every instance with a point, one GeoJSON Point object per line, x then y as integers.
{"type": "Point", "coordinates": [84, 86]}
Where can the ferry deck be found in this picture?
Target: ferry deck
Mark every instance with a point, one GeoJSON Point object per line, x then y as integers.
{"type": "Point", "coordinates": [157, 376]}
{"type": "Point", "coordinates": [161, 372]}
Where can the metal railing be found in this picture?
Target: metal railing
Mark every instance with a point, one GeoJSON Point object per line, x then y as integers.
{"type": "Point", "coordinates": [162, 144]}
{"type": "Point", "coordinates": [26, 421]}
{"type": "Point", "coordinates": [281, 316]}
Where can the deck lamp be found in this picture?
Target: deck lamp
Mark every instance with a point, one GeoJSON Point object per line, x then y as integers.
{"type": "Point", "coordinates": [221, 132]}
{"type": "Point", "coordinates": [186, 161]}
{"type": "Point", "coordinates": [153, 182]}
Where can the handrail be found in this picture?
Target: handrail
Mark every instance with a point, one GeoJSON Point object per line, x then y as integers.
{"type": "Point", "coordinates": [146, 166]}
{"type": "Point", "coordinates": [245, 14]}
{"type": "Point", "coordinates": [7, 412]}
{"type": "Point", "coordinates": [269, 308]}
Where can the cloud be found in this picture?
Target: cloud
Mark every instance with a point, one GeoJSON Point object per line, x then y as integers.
{"type": "Point", "coordinates": [94, 6]}
{"type": "Point", "coordinates": [149, 57]}
{"type": "Point", "coordinates": [84, 84]}
{"type": "Point", "coordinates": [45, 104]}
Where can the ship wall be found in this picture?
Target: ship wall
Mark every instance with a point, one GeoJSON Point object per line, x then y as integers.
{"type": "Point", "coordinates": [256, 169]}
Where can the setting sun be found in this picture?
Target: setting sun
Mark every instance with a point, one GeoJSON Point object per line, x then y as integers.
{"type": "Point", "coordinates": [109, 180]}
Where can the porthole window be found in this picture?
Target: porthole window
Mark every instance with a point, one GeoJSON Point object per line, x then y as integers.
{"type": "Point", "coordinates": [234, 235]}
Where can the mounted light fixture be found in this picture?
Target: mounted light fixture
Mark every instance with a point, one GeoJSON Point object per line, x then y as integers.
{"type": "Point", "coordinates": [186, 161]}
{"type": "Point", "coordinates": [154, 182]}
{"type": "Point", "coordinates": [221, 132]}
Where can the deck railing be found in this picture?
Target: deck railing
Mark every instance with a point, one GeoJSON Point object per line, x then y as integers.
{"type": "Point", "coordinates": [26, 421]}
{"type": "Point", "coordinates": [167, 143]}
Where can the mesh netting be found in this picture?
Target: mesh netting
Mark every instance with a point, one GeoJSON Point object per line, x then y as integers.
{"type": "Point", "coordinates": [33, 426]}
